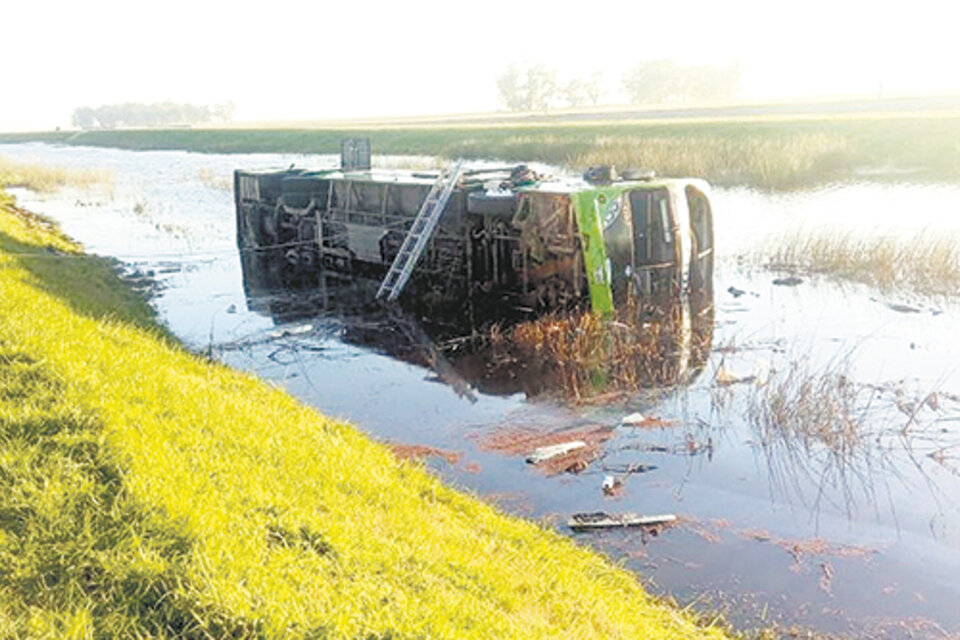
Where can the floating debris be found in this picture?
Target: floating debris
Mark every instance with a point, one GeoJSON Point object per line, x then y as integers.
{"type": "Point", "coordinates": [626, 469]}
{"type": "Point", "coordinates": [790, 281]}
{"type": "Point", "coordinates": [902, 308]}
{"type": "Point", "coordinates": [521, 441]}
{"type": "Point", "coordinates": [612, 485]}
{"type": "Point", "coordinates": [601, 520]}
{"type": "Point", "coordinates": [299, 330]}
{"type": "Point", "coordinates": [419, 451]}
{"type": "Point", "coordinates": [542, 454]}
{"type": "Point", "coordinates": [736, 293]}
{"type": "Point", "coordinates": [640, 420]}
{"type": "Point", "coordinates": [725, 377]}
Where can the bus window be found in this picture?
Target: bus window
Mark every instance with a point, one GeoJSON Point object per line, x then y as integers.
{"type": "Point", "coordinates": [652, 227]}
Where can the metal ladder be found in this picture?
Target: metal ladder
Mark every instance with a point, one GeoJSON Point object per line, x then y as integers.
{"type": "Point", "coordinates": [419, 234]}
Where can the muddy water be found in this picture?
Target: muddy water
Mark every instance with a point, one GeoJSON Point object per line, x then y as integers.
{"type": "Point", "coordinates": [775, 530]}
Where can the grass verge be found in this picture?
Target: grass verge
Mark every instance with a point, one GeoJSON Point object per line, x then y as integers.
{"type": "Point", "coordinates": [757, 151]}
{"type": "Point", "coordinates": [146, 492]}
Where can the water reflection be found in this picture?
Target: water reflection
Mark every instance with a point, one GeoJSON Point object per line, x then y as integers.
{"type": "Point", "coordinates": [653, 344]}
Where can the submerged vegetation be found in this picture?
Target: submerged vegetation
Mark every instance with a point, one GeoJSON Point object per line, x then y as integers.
{"type": "Point", "coordinates": [757, 151]}
{"type": "Point", "coordinates": [584, 355]}
{"type": "Point", "coordinates": [145, 491]}
{"type": "Point", "coordinates": [809, 409]}
{"type": "Point", "coordinates": [46, 179]}
{"type": "Point", "coordinates": [926, 263]}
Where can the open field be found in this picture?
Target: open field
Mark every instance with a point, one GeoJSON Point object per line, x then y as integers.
{"type": "Point", "coordinates": [145, 491]}
{"type": "Point", "coordinates": [754, 149]}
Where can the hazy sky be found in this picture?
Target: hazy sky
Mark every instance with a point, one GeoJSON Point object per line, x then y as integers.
{"type": "Point", "coordinates": [286, 60]}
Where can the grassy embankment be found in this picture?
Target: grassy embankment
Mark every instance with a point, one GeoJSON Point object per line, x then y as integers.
{"type": "Point", "coordinates": [145, 492]}
{"type": "Point", "coordinates": [757, 151]}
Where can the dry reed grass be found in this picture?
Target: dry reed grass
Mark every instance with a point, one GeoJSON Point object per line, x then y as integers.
{"type": "Point", "coordinates": [212, 179]}
{"type": "Point", "coordinates": [797, 406]}
{"type": "Point", "coordinates": [926, 263]}
{"type": "Point", "coordinates": [780, 160]}
{"type": "Point", "coordinates": [47, 179]}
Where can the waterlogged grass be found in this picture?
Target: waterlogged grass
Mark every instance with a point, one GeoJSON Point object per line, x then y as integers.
{"type": "Point", "coordinates": [581, 356]}
{"type": "Point", "coordinates": [214, 180]}
{"type": "Point", "coordinates": [925, 263]}
{"type": "Point", "coordinates": [146, 492]}
{"type": "Point", "coordinates": [46, 179]}
{"type": "Point", "coordinates": [756, 151]}
{"type": "Point", "coordinates": [810, 409]}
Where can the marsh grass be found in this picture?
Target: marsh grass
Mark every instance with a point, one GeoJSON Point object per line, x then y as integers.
{"type": "Point", "coordinates": [925, 263]}
{"type": "Point", "coordinates": [755, 151]}
{"type": "Point", "coordinates": [811, 409]}
{"type": "Point", "coordinates": [212, 179]}
{"type": "Point", "coordinates": [781, 160]}
{"type": "Point", "coordinates": [47, 179]}
{"type": "Point", "coordinates": [147, 492]}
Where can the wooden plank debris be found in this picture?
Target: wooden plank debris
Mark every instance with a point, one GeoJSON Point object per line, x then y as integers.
{"type": "Point", "coordinates": [601, 520]}
{"type": "Point", "coordinates": [542, 454]}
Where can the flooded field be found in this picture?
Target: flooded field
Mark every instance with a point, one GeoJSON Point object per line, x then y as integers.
{"type": "Point", "coordinates": [811, 452]}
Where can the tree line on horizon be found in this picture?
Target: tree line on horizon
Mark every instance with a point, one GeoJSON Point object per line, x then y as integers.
{"type": "Point", "coordinates": [137, 114]}
{"type": "Point", "coordinates": [538, 87]}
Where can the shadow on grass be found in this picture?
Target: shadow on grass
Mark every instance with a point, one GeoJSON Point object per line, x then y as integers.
{"type": "Point", "coordinates": [76, 550]}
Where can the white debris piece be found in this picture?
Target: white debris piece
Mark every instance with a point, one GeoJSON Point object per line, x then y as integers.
{"type": "Point", "coordinates": [542, 454]}
{"type": "Point", "coordinates": [725, 377]}
{"type": "Point", "coordinates": [600, 520]}
{"type": "Point", "coordinates": [291, 331]}
{"type": "Point", "coordinates": [633, 419]}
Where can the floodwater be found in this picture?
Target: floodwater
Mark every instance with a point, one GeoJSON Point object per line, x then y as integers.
{"type": "Point", "coordinates": [860, 537]}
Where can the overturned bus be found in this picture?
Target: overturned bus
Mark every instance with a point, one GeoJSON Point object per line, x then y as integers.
{"type": "Point", "coordinates": [504, 238]}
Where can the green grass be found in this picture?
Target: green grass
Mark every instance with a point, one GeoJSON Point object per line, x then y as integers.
{"type": "Point", "coordinates": [147, 492]}
{"type": "Point", "coordinates": [754, 151]}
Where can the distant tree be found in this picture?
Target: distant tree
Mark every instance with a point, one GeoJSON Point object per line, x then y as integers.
{"type": "Point", "coordinates": [224, 112]}
{"type": "Point", "coordinates": [581, 91]}
{"type": "Point", "coordinates": [84, 117]}
{"type": "Point", "coordinates": [510, 84]}
{"type": "Point", "coordinates": [665, 80]}
{"type": "Point", "coordinates": [653, 81]}
{"type": "Point", "coordinates": [528, 87]}
{"type": "Point", "coordinates": [542, 87]}
{"type": "Point", "coordinates": [594, 87]}
{"type": "Point", "coordinates": [135, 114]}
